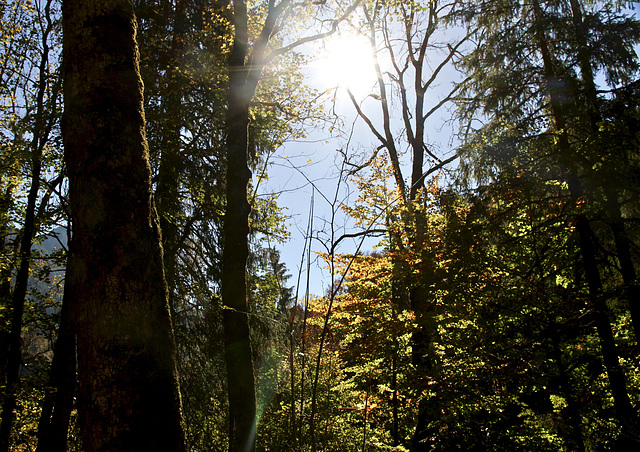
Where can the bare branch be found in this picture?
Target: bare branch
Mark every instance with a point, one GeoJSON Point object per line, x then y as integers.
{"type": "Point", "coordinates": [365, 233]}
{"type": "Point", "coordinates": [447, 98]}
{"type": "Point", "coordinates": [452, 52]}
{"type": "Point", "coordinates": [316, 37]}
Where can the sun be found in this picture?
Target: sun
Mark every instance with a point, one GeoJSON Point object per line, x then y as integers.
{"type": "Point", "coordinates": [346, 61]}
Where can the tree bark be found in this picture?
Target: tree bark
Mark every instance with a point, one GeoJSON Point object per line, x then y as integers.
{"type": "Point", "coordinates": [244, 73]}
{"type": "Point", "coordinates": [245, 66]}
{"type": "Point", "coordinates": [129, 397]}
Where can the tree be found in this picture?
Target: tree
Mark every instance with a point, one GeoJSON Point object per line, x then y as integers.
{"type": "Point", "coordinates": [249, 56]}
{"type": "Point", "coordinates": [546, 58]}
{"type": "Point", "coordinates": [412, 78]}
{"type": "Point", "coordinates": [128, 397]}
{"type": "Point", "coordinates": [186, 83]}
{"type": "Point", "coordinates": [42, 107]}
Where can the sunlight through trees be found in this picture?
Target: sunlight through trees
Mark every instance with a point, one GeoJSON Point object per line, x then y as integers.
{"type": "Point", "coordinates": [469, 189]}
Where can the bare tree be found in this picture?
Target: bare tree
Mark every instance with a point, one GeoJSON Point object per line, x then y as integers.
{"type": "Point", "coordinates": [411, 59]}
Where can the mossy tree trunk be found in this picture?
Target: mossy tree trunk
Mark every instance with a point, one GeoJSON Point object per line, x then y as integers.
{"type": "Point", "coordinates": [128, 391]}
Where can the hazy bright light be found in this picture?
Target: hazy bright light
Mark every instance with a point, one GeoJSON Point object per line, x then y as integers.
{"type": "Point", "coordinates": [346, 61]}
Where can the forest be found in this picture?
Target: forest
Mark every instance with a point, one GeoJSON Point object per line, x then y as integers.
{"type": "Point", "coordinates": [471, 198]}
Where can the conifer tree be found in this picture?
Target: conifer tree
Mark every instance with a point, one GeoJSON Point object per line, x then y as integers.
{"type": "Point", "coordinates": [535, 71]}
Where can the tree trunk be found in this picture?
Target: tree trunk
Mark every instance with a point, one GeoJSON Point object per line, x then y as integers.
{"type": "Point", "coordinates": [238, 355]}
{"type": "Point", "coordinates": [129, 397]}
{"type": "Point", "coordinates": [58, 403]}
{"type": "Point", "coordinates": [626, 414]}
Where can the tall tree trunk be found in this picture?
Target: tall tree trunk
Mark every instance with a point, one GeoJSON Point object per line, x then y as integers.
{"type": "Point", "coordinates": [238, 355]}
{"type": "Point", "coordinates": [58, 402]}
{"type": "Point", "coordinates": [244, 73]}
{"type": "Point", "coordinates": [129, 397]}
{"type": "Point", "coordinates": [245, 70]}
{"type": "Point", "coordinates": [630, 433]}
{"type": "Point", "coordinates": [626, 414]}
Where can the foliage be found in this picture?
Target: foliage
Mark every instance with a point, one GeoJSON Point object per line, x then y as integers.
{"type": "Point", "coordinates": [512, 359]}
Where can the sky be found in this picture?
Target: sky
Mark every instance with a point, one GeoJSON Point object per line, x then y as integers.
{"type": "Point", "coordinates": [306, 172]}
